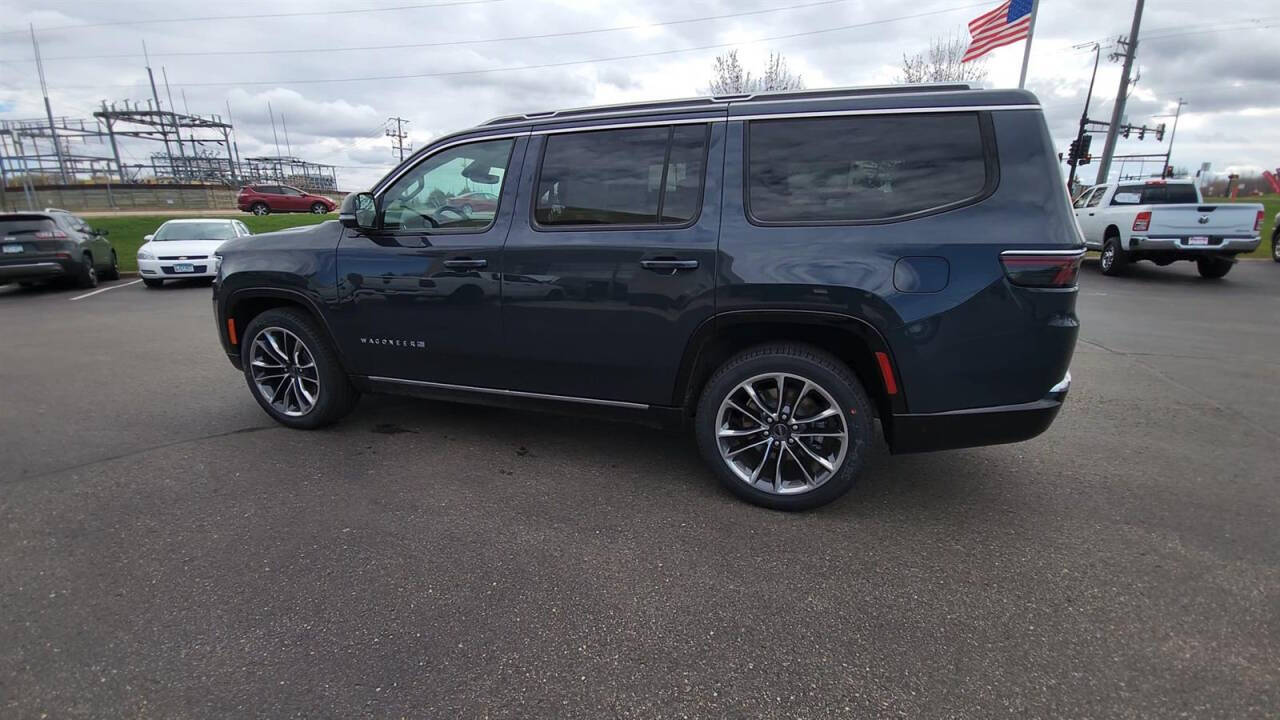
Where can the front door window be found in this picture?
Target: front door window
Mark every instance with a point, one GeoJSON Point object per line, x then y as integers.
{"type": "Point", "coordinates": [443, 191]}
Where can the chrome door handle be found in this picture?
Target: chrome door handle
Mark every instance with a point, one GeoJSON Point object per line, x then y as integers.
{"type": "Point", "coordinates": [668, 264]}
{"type": "Point", "coordinates": [465, 263]}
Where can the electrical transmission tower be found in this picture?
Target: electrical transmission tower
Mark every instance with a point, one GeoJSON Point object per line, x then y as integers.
{"type": "Point", "coordinates": [398, 136]}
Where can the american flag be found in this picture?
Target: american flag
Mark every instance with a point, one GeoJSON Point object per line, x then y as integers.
{"type": "Point", "coordinates": [1005, 25]}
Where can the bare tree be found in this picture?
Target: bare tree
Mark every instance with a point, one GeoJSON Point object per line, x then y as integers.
{"type": "Point", "coordinates": [730, 78]}
{"type": "Point", "coordinates": [941, 63]}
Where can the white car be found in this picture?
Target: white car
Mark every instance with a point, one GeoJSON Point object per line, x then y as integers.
{"type": "Point", "coordinates": [184, 249]}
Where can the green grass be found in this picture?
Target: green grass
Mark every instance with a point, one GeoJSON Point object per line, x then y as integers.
{"type": "Point", "coordinates": [1271, 205]}
{"type": "Point", "coordinates": [127, 231]}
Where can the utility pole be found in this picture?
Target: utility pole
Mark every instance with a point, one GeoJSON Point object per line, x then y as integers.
{"type": "Point", "coordinates": [48, 109]}
{"type": "Point", "coordinates": [1117, 112]}
{"type": "Point", "coordinates": [398, 135]}
{"type": "Point", "coordinates": [168, 153]}
{"type": "Point", "coordinates": [1169, 153]}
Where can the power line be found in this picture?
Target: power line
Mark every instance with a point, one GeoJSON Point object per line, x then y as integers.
{"type": "Point", "coordinates": [452, 43]}
{"type": "Point", "coordinates": [513, 68]}
{"type": "Point", "coordinates": [259, 16]}
{"type": "Point", "coordinates": [398, 135]}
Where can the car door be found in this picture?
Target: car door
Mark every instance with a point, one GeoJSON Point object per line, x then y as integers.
{"type": "Point", "coordinates": [1090, 218]}
{"type": "Point", "coordinates": [419, 296]}
{"type": "Point", "coordinates": [1077, 209]}
{"type": "Point", "coordinates": [619, 228]}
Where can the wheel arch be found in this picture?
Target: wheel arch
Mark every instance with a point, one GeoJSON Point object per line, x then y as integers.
{"type": "Point", "coordinates": [851, 339]}
{"type": "Point", "coordinates": [245, 304]}
{"type": "Point", "coordinates": [1112, 231]}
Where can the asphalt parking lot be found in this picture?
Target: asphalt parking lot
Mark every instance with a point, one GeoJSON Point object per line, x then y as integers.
{"type": "Point", "coordinates": [166, 551]}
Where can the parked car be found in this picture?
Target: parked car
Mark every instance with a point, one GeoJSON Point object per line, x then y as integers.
{"type": "Point", "coordinates": [184, 248]}
{"type": "Point", "coordinates": [266, 199]}
{"type": "Point", "coordinates": [777, 271]}
{"type": "Point", "coordinates": [37, 247]}
{"type": "Point", "coordinates": [474, 202]}
{"type": "Point", "coordinates": [1165, 221]}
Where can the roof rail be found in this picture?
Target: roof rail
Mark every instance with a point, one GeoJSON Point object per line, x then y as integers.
{"type": "Point", "coordinates": [745, 98]}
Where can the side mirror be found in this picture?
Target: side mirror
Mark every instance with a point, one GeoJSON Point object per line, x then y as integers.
{"type": "Point", "coordinates": [359, 210]}
{"type": "Point", "coordinates": [148, 238]}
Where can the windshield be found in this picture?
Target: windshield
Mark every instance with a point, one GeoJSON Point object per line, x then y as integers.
{"type": "Point", "coordinates": [195, 231]}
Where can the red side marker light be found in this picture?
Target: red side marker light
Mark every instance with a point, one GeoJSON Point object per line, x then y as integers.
{"type": "Point", "coordinates": [886, 372]}
{"type": "Point", "coordinates": [231, 330]}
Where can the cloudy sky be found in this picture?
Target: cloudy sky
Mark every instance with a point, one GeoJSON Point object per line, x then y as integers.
{"type": "Point", "coordinates": [337, 77]}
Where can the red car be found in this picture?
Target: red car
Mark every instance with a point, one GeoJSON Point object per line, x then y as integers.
{"type": "Point", "coordinates": [482, 202]}
{"type": "Point", "coordinates": [266, 199]}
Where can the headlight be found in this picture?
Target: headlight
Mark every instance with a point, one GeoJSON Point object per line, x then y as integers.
{"type": "Point", "coordinates": [144, 255]}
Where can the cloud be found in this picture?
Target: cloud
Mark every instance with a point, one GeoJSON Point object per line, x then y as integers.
{"type": "Point", "coordinates": [1222, 75]}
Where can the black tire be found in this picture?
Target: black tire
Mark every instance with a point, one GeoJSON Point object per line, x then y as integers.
{"type": "Point", "coordinates": [1114, 260]}
{"type": "Point", "coordinates": [113, 270]}
{"type": "Point", "coordinates": [86, 274]}
{"type": "Point", "coordinates": [260, 208]}
{"type": "Point", "coordinates": [1212, 268]}
{"type": "Point", "coordinates": [814, 365]}
{"type": "Point", "coordinates": [152, 282]}
{"type": "Point", "coordinates": [318, 208]}
{"type": "Point", "coordinates": [336, 396]}
{"type": "Point", "coordinates": [1275, 245]}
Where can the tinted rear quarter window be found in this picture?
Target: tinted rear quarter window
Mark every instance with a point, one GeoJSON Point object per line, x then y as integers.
{"type": "Point", "coordinates": [864, 168]}
{"type": "Point", "coordinates": [633, 176]}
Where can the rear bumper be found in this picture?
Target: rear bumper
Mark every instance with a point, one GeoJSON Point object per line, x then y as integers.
{"type": "Point", "coordinates": [1183, 244]}
{"type": "Point", "coordinates": [975, 427]}
{"type": "Point", "coordinates": [33, 270]}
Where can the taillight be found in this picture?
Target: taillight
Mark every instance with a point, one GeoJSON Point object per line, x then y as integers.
{"type": "Point", "coordinates": [1257, 223]}
{"type": "Point", "coordinates": [1030, 268]}
{"type": "Point", "coordinates": [1143, 221]}
{"type": "Point", "coordinates": [50, 235]}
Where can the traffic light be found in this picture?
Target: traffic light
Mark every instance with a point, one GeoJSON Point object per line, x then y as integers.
{"type": "Point", "coordinates": [1142, 132]}
{"type": "Point", "coordinates": [1073, 154]}
{"type": "Point", "coordinates": [1160, 132]}
{"type": "Point", "coordinates": [1124, 132]}
{"type": "Point", "coordinates": [1085, 160]}
{"type": "Point", "coordinates": [1084, 145]}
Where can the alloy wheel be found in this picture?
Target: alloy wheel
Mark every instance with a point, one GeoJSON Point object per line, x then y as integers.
{"type": "Point", "coordinates": [781, 433]}
{"type": "Point", "coordinates": [1108, 256]}
{"type": "Point", "coordinates": [284, 371]}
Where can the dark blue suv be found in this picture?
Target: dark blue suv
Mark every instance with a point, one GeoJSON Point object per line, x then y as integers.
{"type": "Point", "coordinates": [777, 270]}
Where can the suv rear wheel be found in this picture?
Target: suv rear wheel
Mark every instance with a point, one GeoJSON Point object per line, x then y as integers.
{"type": "Point", "coordinates": [1114, 260]}
{"type": "Point", "coordinates": [260, 208]}
{"type": "Point", "coordinates": [1213, 267]}
{"type": "Point", "coordinates": [1275, 245]}
{"type": "Point", "coordinates": [785, 426]}
{"type": "Point", "coordinates": [293, 372]}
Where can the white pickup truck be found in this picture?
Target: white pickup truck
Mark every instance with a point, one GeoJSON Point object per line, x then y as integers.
{"type": "Point", "coordinates": [1164, 221]}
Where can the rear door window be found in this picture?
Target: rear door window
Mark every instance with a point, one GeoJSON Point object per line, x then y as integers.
{"type": "Point", "coordinates": [628, 177]}
{"type": "Point", "coordinates": [854, 169]}
{"type": "Point", "coordinates": [1127, 195]}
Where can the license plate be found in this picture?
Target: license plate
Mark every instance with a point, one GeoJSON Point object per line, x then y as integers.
{"type": "Point", "coordinates": [8, 249]}
{"type": "Point", "coordinates": [1198, 240]}
{"type": "Point", "coordinates": [183, 267]}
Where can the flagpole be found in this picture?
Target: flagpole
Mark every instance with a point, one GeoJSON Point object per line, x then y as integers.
{"type": "Point", "coordinates": [1026, 54]}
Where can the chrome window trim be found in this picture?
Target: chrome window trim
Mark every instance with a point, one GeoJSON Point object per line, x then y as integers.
{"type": "Point", "coordinates": [885, 111]}
{"type": "Point", "coordinates": [511, 393]}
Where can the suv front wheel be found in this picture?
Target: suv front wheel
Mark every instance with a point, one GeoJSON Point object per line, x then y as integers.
{"type": "Point", "coordinates": [293, 372]}
{"type": "Point", "coordinates": [785, 426]}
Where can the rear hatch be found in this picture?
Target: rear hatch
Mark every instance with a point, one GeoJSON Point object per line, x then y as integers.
{"type": "Point", "coordinates": [23, 237]}
{"type": "Point", "coordinates": [1231, 220]}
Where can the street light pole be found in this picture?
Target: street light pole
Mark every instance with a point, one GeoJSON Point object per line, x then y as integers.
{"type": "Point", "coordinates": [1169, 153]}
{"type": "Point", "coordinates": [1084, 114]}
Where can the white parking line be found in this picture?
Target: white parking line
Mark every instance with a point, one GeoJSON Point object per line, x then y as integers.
{"type": "Point", "coordinates": [113, 287]}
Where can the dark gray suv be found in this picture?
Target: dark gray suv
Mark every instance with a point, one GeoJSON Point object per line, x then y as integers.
{"type": "Point", "coordinates": [780, 271]}
{"type": "Point", "coordinates": [54, 245]}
